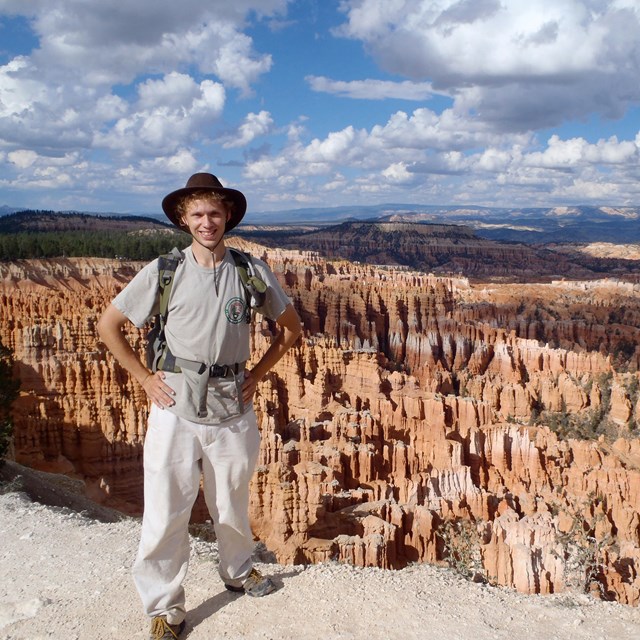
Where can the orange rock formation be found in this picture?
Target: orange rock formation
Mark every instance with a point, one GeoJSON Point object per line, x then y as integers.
{"type": "Point", "coordinates": [412, 403]}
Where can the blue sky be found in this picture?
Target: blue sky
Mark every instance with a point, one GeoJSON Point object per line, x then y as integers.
{"type": "Point", "coordinates": [309, 103]}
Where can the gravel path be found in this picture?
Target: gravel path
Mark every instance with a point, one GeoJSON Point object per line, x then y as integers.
{"type": "Point", "coordinates": [64, 575]}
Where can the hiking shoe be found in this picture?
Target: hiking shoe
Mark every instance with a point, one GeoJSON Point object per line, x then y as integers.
{"type": "Point", "coordinates": [255, 585]}
{"type": "Point", "coordinates": [162, 630]}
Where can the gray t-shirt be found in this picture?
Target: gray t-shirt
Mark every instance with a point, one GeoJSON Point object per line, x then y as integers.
{"type": "Point", "coordinates": [203, 326]}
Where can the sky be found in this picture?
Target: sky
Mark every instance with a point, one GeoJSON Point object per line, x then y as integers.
{"type": "Point", "coordinates": [106, 106]}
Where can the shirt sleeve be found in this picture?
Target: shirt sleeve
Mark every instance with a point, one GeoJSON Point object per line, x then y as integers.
{"type": "Point", "coordinates": [139, 300]}
{"type": "Point", "coordinates": [276, 300]}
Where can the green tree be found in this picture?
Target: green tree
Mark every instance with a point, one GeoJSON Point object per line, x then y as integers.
{"type": "Point", "coordinates": [9, 386]}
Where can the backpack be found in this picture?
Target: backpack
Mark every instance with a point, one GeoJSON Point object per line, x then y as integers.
{"type": "Point", "coordinates": [158, 355]}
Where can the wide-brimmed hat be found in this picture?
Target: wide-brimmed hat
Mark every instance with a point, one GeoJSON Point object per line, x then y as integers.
{"type": "Point", "coordinates": [205, 182]}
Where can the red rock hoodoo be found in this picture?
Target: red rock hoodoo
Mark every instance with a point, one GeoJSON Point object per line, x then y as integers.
{"type": "Point", "coordinates": [413, 403]}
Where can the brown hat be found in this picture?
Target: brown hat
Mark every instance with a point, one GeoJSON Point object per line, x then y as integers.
{"type": "Point", "coordinates": [205, 182]}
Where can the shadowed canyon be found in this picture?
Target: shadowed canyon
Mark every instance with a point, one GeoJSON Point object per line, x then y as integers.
{"type": "Point", "coordinates": [420, 418]}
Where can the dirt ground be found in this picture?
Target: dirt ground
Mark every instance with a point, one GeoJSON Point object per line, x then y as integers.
{"type": "Point", "coordinates": [65, 573]}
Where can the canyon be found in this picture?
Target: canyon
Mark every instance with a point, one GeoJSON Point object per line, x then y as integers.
{"type": "Point", "coordinates": [420, 418]}
{"type": "Point", "coordinates": [454, 249]}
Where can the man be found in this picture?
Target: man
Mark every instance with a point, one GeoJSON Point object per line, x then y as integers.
{"type": "Point", "coordinates": [201, 420]}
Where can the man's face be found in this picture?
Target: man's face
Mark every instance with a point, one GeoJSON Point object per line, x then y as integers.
{"type": "Point", "coordinates": [206, 220]}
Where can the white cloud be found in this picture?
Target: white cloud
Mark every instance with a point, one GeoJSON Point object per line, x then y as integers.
{"type": "Point", "coordinates": [18, 95]}
{"type": "Point", "coordinates": [114, 41]}
{"type": "Point", "coordinates": [170, 92]}
{"type": "Point", "coordinates": [170, 112]}
{"type": "Point", "coordinates": [254, 126]}
{"type": "Point", "coordinates": [561, 154]}
{"type": "Point", "coordinates": [233, 61]}
{"type": "Point", "coordinates": [372, 89]}
{"type": "Point", "coordinates": [495, 160]}
{"type": "Point", "coordinates": [397, 173]}
{"type": "Point", "coordinates": [481, 40]}
{"type": "Point", "coordinates": [336, 148]}
{"type": "Point", "coordinates": [425, 129]}
{"type": "Point", "coordinates": [518, 65]}
{"type": "Point", "coordinates": [424, 154]}
{"type": "Point", "coordinates": [45, 172]}
{"type": "Point", "coordinates": [267, 169]}
{"type": "Point", "coordinates": [599, 191]}
{"type": "Point", "coordinates": [22, 158]}
{"type": "Point", "coordinates": [338, 183]}
{"type": "Point", "coordinates": [40, 115]}
{"type": "Point", "coordinates": [121, 76]}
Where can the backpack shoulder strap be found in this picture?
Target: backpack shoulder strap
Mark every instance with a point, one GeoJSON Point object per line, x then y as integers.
{"type": "Point", "coordinates": [242, 263]}
{"type": "Point", "coordinates": [167, 265]}
{"type": "Point", "coordinates": [255, 288]}
{"type": "Point", "coordinates": [156, 351]}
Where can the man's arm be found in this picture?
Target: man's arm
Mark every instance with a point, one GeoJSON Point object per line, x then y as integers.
{"type": "Point", "coordinates": [290, 330]}
{"type": "Point", "coordinates": [110, 328]}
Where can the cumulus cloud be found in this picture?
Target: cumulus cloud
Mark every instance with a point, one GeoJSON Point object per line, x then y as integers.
{"type": "Point", "coordinates": [398, 173]}
{"type": "Point", "coordinates": [169, 112]}
{"type": "Point", "coordinates": [117, 41]}
{"type": "Point", "coordinates": [45, 172]}
{"type": "Point", "coordinates": [22, 158]}
{"type": "Point", "coordinates": [415, 153]}
{"type": "Point", "coordinates": [254, 126]}
{"type": "Point", "coordinates": [138, 79]}
{"type": "Point", "coordinates": [35, 113]}
{"type": "Point", "coordinates": [518, 65]}
{"type": "Point", "coordinates": [575, 151]}
{"type": "Point", "coordinates": [372, 89]}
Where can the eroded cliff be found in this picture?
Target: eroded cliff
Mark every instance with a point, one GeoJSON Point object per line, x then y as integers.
{"type": "Point", "coordinates": [413, 405]}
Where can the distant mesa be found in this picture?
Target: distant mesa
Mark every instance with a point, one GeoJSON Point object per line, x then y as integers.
{"type": "Point", "coordinates": [532, 225]}
{"type": "Point", "coordinates": [399, 240]}
{"type": "Point", "coordinates": [33, 221]}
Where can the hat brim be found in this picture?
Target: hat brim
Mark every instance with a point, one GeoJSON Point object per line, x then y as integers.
{"type": "Point", "coordinates": [171, 201]}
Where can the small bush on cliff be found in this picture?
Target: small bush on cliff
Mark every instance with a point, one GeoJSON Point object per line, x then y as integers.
{"type": "Point", "coordinates": [588, 424]}
{"type": "Point", "coordinates": [584, 545]}
{"type": "Point", "coordinates": [9, 386]}
{"type": "Point", "coordinates": [463, 549]}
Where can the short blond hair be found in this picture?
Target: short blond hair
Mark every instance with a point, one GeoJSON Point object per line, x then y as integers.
{"type": "Point", "coordinates": [208, 196]}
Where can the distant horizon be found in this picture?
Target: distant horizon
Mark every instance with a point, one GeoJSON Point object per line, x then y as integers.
{"type": "Point", "coordinates": [584, 224]}
{"type": "Point", "coordinates": [6, 209]}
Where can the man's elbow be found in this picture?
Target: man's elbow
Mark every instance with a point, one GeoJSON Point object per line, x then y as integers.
{"type": "Point", "coordinates": [110, 322]}
{"type": "Point", "coordinates": [293, 334]}
{"type": "Point", "coordinates": [101, 328]}
{"type": "Point", "coordinates": [291, 325]}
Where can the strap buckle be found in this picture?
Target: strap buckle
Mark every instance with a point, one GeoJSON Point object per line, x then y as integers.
{"type": "Point", "coordinates": [219, 370]}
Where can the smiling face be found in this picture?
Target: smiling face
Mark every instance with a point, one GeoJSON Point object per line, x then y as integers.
{"type": "Point", "coordinates": [205, 219]}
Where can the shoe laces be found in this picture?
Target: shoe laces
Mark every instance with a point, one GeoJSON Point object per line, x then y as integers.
{"type": "Point", "coordinates": [159, 628]}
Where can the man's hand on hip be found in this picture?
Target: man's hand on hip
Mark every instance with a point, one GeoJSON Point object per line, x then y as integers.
{"type": "Point", "coordinates": [158, 391]}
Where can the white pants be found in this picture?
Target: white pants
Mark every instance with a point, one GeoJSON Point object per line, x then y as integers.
{"type": "Point", "coordinates": [176, 452]}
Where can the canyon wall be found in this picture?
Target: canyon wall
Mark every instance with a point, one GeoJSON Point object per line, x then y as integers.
{"type": "Point", "coordinates": [450, 249]}
{"type": "Point", "coordinates": [417, 415]}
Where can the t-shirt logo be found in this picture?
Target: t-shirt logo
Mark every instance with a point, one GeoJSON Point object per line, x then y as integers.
{"type": "Point", "coordinates": [235, 310]}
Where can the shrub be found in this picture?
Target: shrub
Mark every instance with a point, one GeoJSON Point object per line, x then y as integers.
{"type": "Point", "coordinates": [463, 548]}
{"type": "Point", "coordinates": [9, 386]}
{"type": "Point", "coordinates": [582, 549]}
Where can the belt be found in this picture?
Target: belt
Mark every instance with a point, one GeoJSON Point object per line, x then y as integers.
{"type": "Point", "coordinates": [223, 370]}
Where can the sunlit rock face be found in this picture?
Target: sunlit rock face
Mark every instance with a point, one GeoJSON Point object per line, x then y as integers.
{"type": "Point", "coordinates": [412, 402]}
